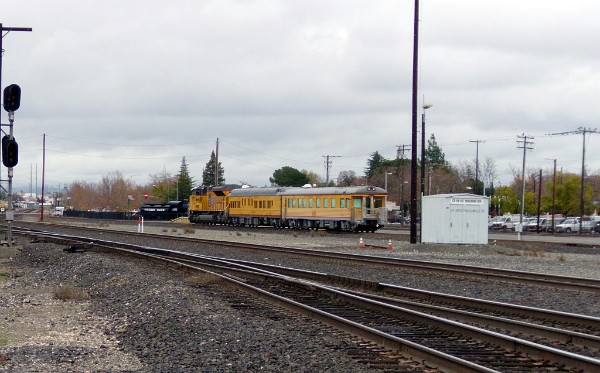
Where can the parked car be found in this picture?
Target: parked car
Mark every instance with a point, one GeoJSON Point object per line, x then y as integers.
{"type": "Point", "coordinates": [589, 224]}
{"type": "Point", "coordinates": [597, 227]}
{"type": "Point", "coordinates": [532, 224]}
{"type": "Point", "coordinates": [568, 226]}
{"type": "Point", "coordinates": [526, 224]}
{"type": "Point", "coordinates": [505, 223]}
{"type": "Point", "coordinates": [547, 226]}
{"type": "Point", "coordinates": [493, 221]}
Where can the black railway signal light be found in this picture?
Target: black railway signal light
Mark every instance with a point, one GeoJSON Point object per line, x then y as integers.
{"type": "Point", "coordinates": [10, 151]}
{"type": "Point", "coordinates": [12, 97]}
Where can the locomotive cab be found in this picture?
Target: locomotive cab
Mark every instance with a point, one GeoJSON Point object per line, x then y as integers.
{"type": "Point", "coordinates": [209, 204]}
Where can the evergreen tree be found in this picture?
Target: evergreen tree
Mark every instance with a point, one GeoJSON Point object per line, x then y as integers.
{"type": "Point", "coordinates": [184, 182]}
{"type": "Point", "coordinates": [376, 161]}
{"type": "Point", "coordinates": [208, 175]}
{"type": "Point", "coordinates": [434, 156]}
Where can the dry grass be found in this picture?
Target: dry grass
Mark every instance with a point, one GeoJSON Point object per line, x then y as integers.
{"type": "Point", "coordinates": [187, 230]}
{"type": "Point", "coordinates": [317, 233]}
{"type": "Point", "coordinates": [3, 341]}
{"type": "Point", "coordinates": [203, 279]}
{"type": "Point", "coordinates": [68, 292]}
{"type": "Point", "coordinates": [562, 258]}
{"type": "Point", "coordinates": [535, 252]}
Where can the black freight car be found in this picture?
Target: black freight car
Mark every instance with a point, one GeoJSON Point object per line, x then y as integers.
{"type": "Point", "coordinates": [164, 211]}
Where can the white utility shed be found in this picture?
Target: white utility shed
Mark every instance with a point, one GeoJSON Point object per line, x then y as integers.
{"type": "Point", "coordinates": [455, 218]}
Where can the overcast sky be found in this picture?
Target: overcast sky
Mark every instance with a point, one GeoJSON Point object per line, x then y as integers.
{"type": "Point", "coordinates": [134, 86]}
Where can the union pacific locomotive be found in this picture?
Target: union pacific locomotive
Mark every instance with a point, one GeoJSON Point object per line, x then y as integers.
{"type": "Point", "coordinates": [359, 208]}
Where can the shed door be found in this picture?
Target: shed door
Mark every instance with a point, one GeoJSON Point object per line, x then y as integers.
{"type": "Point", "coordinates": [457, 227]}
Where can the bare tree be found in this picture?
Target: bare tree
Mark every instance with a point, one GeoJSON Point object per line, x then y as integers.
{"type": "Point", "coordinates": [346, 178]}
{"type": "Point", "coordinates": [489, 171]}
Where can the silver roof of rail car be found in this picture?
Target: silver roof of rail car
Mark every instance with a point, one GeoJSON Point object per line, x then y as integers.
{"type": "Point", "coordinates": [250, 192]}
{"type": "Point", "coordinates": [295, 191]}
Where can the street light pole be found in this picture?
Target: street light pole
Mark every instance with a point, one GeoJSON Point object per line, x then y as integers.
{"type": "Point", "coordinates": [425, 107]}
{"type": "Point", "coordinates": [386, 174]}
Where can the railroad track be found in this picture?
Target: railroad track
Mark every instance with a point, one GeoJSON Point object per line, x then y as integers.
{"type": "Point", "coordinates": [443, 343]}
{"type": "Point", "coordinates": [463, 271]}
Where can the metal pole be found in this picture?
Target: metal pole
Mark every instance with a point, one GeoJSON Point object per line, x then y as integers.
{"type": "Point", "coordinates": [581, 195]}
{"type": "Point", "coordinates": [476, 189]}
{"type": "Point", "coordinates": [523, 181]}
{"type": "Point", "coordinates": [217, 165]}
{"type": "Point", "coordinates": [413, 168]}
{"type": "Point", "coordinates": [553, 195]}
{"type": "Point", "coordinates": [10, 214]}
{"type": "Point", "coordinates": [9, 209]}
{"type": "Point", "coordinates": [539, 202]}
{"type": "Point", "coordinates": [526, 145]}
{"type": "Point", "coordinates": [423, 152]}
{"type": "Point", "coordinates": [43, 175]}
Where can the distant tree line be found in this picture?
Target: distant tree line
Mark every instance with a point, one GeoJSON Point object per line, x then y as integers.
{"type": "Point", "coordinates": [116, 193]}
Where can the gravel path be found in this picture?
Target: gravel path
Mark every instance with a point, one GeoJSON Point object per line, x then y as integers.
{"type": "Point", "coordinates": [125, 315]}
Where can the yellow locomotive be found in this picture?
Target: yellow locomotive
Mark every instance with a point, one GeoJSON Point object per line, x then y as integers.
{"type": "Point", "coordinates": [208, 204]}
{"type": "Point", "coordinates": [359, 208]}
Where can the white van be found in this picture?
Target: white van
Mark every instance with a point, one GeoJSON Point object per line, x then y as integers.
{"type": "Point", "coordinates": [58, 211]}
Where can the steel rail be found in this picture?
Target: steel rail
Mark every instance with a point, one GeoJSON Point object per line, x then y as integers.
{"type": "Point", "coordinates": [509, 343]}
{"type": "Point", "coordinates": [553, 333]}
{"type": "Point", "coordinates": [565, 282]}
{"type": "Point", "coordinates": [428, 356]}
{"type": "Point", "coordinates": [551, 315]}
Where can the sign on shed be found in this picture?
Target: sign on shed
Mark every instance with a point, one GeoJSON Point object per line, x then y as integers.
{"type": "Point", "coordinates": [455, 218]}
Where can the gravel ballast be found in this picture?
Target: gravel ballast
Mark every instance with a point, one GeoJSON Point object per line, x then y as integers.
{"type": "Point", "coordinates": [131, 316]}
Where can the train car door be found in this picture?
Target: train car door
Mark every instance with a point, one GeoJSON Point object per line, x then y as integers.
{"type": "Point", "coordinates": [357, 208]}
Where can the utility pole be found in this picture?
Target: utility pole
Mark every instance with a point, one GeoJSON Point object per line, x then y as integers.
{"type": "Point", "coordinates": [525, 144]}
{"type": "Point", "coordinates": [583, 131]}
{"type": "Point", "coordinates": [539, 204]}
{"type": "Point", "coordinates": [217, 164]}
{"type": "Point", "coordinates": [553, 194]}
{"type": "Point", "coordinates": [328, 166]}
{"type": "Point", "coordinates": [476, 189]}
{"type": "Point", "coordinates": [413, 163]}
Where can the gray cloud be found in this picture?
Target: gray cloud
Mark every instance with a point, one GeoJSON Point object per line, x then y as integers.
{"type": "Point", "coordinates": [135, 86]}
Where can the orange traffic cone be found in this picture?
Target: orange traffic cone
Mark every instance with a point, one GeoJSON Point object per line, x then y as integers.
{"type": "Point", "coordinates": [389, 244]}
{"type": "Point", "coordinates": [361, 244]}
